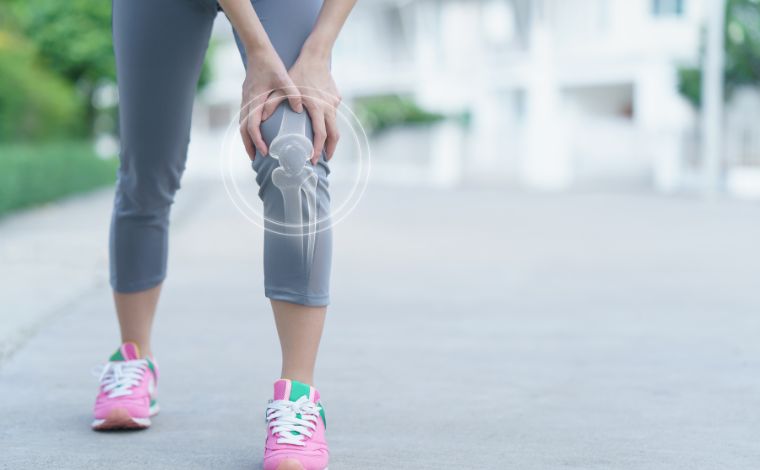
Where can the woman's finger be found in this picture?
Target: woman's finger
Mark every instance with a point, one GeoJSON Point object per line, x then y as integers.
{"type": "Point", "coordinates": [331, 125]}
{"type": "Point", "coordinates": [318, 126]}
{"type": "Point", "coordinates": [295, 100]}
{"type": "Point", "coordinates": [254, 127]}
{"type": "Point", "coordinates": [271, 104]}
{"type": "Point", "coordinates": [247, 143]}
{"type": "Point", "coordinates": [249, 148]}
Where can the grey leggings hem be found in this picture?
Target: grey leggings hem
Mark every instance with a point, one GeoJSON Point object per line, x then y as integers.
{"type": "Point", "coordinates": [300, 299]}
{"type": "Point", "coordinates": [130, 288]}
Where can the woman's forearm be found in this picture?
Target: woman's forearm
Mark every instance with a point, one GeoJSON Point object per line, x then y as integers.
{"type": "Point", "coordinates": [247, 25]}
{"type": "Point", "coordinates": [331, 18]}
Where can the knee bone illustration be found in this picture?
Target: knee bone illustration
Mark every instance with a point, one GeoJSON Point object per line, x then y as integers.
{"type": "Point", "coordinates": [295, 177]}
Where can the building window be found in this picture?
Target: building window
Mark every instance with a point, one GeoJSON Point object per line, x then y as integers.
{"type": "Point", "coordinates": [667, 7]}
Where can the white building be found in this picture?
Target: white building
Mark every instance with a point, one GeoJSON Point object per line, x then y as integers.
{"type": "Point", "coordinates": [561, 93]}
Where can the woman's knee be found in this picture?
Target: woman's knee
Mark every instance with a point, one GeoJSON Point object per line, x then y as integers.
{"type": "Point", "coordinates": [298, 242]}
{"type": "Point", "coordinates": [148, 181]}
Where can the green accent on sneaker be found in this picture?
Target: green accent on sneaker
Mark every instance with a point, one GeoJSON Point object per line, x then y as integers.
{"type": "Point", "coordinates": [298, 415]}
{"type": "Point", "coordinates": [153, 401]}
{"type": "Point", "coordinates": [298, 389]}
{"type": "Point", "coordinates": [117, 356]}
{"type": "Point", "coordinates": [151, 366]}
{"type": "Point", "coordinates": [322, 414]}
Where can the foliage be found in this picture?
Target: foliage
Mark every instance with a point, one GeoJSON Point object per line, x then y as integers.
{"type": "Point", "coordinates": [380, 112]}
{"type": "Point", "coordinates": [34, 173]}
{"type": "Point", "coordinates": [73, 37]}
{"type": "Point", "coordinates": [34, 103]}
{"type": "Point", "coordinates": [69, 44]}
{"type": "Point", "coordinates": [742, 46]}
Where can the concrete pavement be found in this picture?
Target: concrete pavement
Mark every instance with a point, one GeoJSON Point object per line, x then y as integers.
{"type": "Point", "coordinates": [469, 329]}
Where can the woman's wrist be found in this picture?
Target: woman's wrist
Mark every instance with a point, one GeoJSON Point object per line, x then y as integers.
{"type": "Point", "coordinates": [258, 47]}
{"type": "Point", "coordinates": [316, 49]}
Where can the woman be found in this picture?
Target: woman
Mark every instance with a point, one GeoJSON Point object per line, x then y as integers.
{"type": "Point", "coordinates": [159, 47]}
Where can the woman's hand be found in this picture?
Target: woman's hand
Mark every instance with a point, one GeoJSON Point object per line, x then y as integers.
{"type": "Point", "coordinates": [311, 74]}
{"type": "Point", "coordinates": [266, 81]}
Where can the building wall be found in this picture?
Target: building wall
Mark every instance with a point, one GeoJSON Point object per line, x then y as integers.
{"type": "Point", "coordinates": [561, 93]}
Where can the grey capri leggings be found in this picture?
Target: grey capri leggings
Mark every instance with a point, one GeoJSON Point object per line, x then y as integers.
{"type": "Point", "coordinates": [159, 47]}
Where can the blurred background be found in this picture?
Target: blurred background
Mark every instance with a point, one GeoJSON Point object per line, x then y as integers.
{"type": "Point", "coordinates": [562, 206]}
{"type": "Point", "coordinates": [533, 94]}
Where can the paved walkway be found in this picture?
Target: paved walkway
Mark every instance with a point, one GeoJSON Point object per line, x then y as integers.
{"type": "Point", "coordinates": [469, 329]}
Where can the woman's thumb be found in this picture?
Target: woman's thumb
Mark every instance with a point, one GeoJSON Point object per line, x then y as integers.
{"type": "Point", "coordinates": [295, 100]}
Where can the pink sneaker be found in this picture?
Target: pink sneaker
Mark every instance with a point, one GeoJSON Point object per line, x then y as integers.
{"type": "Point", "coordinates": [127, 397]}
{"type": "Point", "coordinates": [296, 433]}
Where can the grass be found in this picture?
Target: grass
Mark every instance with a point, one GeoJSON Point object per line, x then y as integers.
{"type": "Point", "coordinates": [32, 174]}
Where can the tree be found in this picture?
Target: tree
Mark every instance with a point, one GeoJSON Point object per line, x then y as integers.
{"type": "Point", "coordinates": [34, 103]}
{"type": "Point", "coordinates": [742, 41]}
{"type": "Point", "coordinates": [72, 39]}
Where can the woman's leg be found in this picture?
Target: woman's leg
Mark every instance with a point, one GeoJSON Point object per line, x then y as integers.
{"type": "Point", "coordinates": [135, 312]}
{"type": "Point", "coordinates": [296, 265]}
{"type": "Point", "coordinates": [298, 290]}
{"type": "Point", "coordinates": [300, 329]}
{"type": "Point", "coordinates": [159, 49]}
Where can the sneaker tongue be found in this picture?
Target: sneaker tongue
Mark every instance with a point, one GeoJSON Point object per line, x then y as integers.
{"type": "Point", "coordinates": [126, 352]}
{"type": "Point", "coordinates": [286, 389]}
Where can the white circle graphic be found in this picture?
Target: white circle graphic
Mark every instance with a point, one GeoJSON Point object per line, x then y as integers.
{"type": "Point", "coordinates": [232, 152]}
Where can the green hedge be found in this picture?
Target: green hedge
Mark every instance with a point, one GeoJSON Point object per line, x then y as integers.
{"type": "Point", "coordinates": [380, 112]}
{"type": "Point", "coordinates": [37, 173]}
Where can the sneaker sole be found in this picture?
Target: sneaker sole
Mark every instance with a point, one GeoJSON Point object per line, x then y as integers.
{"type": "Point", "coordinates": [299, 463]}
{"type": "Point", "coordinates": [119, 418]}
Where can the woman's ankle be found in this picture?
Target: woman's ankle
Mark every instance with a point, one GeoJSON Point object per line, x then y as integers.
{"type": "Point", "coordinates": [299, 377]}
{"type": "Point", "coordinates": [143, 348]}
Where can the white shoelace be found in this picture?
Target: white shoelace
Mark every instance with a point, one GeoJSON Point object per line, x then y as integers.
{"type": "Point", "coordinates": [117, 378]}
{"type": "Point", "coordinates": [282, 419]}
